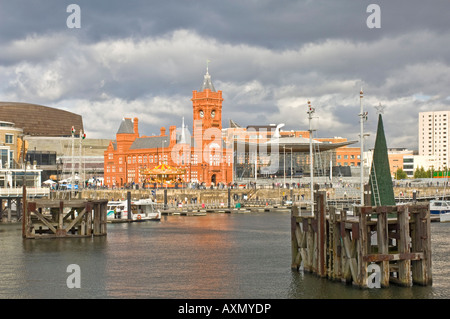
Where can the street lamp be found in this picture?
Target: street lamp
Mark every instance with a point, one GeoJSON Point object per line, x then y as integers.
{"type": "Point", "coordinates": [203, 166]}
{"type": "Point", "coordinates": [24, 187]}
{"type": "Point", "coordinates": [284, 165]}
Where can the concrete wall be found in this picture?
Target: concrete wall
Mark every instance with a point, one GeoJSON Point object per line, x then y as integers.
{"type": "Point", "coordinates": [63, 145]}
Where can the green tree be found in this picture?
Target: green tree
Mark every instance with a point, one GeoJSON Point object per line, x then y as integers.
{"type": "Point", "coordinates": [400, 174]}
{"type": "Point", "coordinates": [421, 173]}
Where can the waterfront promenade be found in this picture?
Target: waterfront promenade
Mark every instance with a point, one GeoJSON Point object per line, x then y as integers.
{"type": "Point", "coordinates": [261, 195]}
{"type": "Point", "coordinates": [244, 194]}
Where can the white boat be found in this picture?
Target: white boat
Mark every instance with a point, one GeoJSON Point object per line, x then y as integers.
{"type": "Point", "coordinates": [444, 218]}
{"type": "Point", "coordinates": [141, 210]}
{"type": "Point", "coordinates": [438, 207]}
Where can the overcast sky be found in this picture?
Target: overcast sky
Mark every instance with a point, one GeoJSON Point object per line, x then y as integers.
{"type": "Point", "coordinates": [141, 58]}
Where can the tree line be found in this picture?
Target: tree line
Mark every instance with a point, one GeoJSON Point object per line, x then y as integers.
{"type": "Point", "coordinates": [422, 173]}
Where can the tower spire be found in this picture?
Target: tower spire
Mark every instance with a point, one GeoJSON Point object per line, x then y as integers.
{"type": "Point", "coordinates": [207, 83]}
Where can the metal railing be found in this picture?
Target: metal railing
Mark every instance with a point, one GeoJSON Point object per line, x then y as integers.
{"type": "Point", "coordinates": [18, 191]}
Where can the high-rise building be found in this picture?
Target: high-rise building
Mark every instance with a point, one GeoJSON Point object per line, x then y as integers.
{"type": "Point", "coordinates": [434, 137]}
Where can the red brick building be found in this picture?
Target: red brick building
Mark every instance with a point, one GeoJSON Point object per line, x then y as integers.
{"type": "Point", "coordinates": [204, 156]}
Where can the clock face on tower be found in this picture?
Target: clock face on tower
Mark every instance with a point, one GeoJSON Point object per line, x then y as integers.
{"type": "Point", "coordinates": [213, 113]}
{"type": "Point", "coordinates": [201, 114]}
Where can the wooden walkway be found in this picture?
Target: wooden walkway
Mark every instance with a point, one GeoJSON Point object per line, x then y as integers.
{"type": "Point", "coordinates": [196, 211]}
{"type": "Point", "coordinates": [388, 244]}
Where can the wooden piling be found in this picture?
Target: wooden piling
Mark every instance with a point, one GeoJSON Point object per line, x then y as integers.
{"type": "Point", "coordinates": [341, 246]}
{"type": "Point", "coordinates": [321, 233]}
{"type": "Point", "coordinates": [383, 243]}
{"type": "Point", "coordinates": [421, 242]}
{"type": "Point", "coordinates": [73, 218]}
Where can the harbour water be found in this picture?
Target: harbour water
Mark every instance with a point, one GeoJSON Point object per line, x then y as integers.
{"type": "Point", "coordinates": [217, 256]}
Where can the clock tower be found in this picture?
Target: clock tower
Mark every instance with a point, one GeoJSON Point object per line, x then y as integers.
{"type": "Point", "coordinates": [207, 105]}
{"type": "Point", "coordinates": [207, 128]}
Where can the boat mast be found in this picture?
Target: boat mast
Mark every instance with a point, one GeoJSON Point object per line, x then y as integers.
{"type": "Point", "coordinates": [361, 137]}
{"type": "Point", "coordinates": [311, 169]}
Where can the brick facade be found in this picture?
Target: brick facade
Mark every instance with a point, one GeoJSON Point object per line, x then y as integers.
{"type": "Point", "coordinates": [204, 156]}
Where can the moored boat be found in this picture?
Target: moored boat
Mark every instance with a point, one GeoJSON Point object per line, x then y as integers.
{"type": "Point", "coordinates": [438, 207]}
{"type": "Point", "coordinates": [141, 210]}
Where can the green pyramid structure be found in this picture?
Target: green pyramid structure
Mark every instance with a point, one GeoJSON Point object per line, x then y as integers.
{"type": "Point", "coordinates": [380, 176]}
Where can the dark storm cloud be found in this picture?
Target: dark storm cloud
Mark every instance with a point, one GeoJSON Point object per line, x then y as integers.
{"type": "Point", "coordinates": [144, 58]}
{"type": "Point", "coordinates": [273, 24]}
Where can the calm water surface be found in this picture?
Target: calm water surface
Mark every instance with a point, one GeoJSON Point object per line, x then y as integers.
{"type": "Point", "coordinates": [215, 256]}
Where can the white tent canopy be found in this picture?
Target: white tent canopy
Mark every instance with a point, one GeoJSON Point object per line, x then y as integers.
{"type": "Point", "coordinates": [68, 180]}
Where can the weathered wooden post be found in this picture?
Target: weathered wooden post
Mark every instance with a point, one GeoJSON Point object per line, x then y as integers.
{"type": "Point", "coordinates": [362, 247]}
{"type": "Point", "coordinates": [334, 246]}
{"type": "Point", "coordinates": [97, 220]}
{"type": "Point", "coordinates": [129, 204]}
{"type": "Point", "coordinates": [296, 257]}
{"type": "Point", "coordinates": [88, 221]}
{"type": "Point", "coordinates": [308, 263]}
{"type": "Point", "coordinates": [321, 233]}
{"type": "Point", "coordinates": [103, 215]}
{"type": "Point", "coordinates": [19, 208]}
{"type": "Point", "coordinates": [9, 209]}
{"type": "Point", "coordinates": [404, 264]}
{"type": "Point", "coordinates": [165, 199]}
{"type": "Point", "coordinates": [26, 222]}
{"type": "Point", "coordinates": [383, 243]}
{"type": "Point", "coordinates": [421, 242]}
{"type": "Point", "coordinates": [60, 232]}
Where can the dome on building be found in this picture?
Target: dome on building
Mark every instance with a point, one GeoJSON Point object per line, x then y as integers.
{"type": "Point", "coordinates": [39, 120]}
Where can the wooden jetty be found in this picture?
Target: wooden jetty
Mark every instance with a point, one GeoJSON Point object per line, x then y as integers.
{"type": "Point", "coordinates": [46, 218]}
{"type": "Point", "coordinates": [335, 245]}
{"type": "Point", "coordinates": [197, 210]}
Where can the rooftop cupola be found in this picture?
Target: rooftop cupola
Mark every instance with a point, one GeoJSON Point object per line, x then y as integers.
{"type": "Point", "coordinates": [207, 83]}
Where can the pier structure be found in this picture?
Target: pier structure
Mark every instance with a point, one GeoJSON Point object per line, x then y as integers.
{"type": "Point", "coordinates": [56, 219]}
{"type": "Point", "coordinates": [11, 208]}
{"type": "Point", "coordinates": [367, 247]}
{"type": "Point", "coordinates": [11, 201]}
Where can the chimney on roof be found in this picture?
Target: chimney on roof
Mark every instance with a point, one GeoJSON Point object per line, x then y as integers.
{"type": "Point", "coordinates": [173, 134]}
{"type": "Point", "coordinates": [163, 131]}
{"type": "Point", "coordinates": [136, 126]}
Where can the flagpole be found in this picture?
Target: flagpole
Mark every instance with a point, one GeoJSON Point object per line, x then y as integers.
{"type": "Point", "coordinates": [73, 159]}
{"type": "Point", "coordinates": [362, 147]}
{"type": "Point", "coordinates": [80, 173]}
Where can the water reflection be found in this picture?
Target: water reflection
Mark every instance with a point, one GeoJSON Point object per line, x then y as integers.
{"type": "Point", "coordinates": [213, 256]}
{"type": "Point", "coordinates": [46, 261]}
{"type": "Point", "coordinates": [180, 257]}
